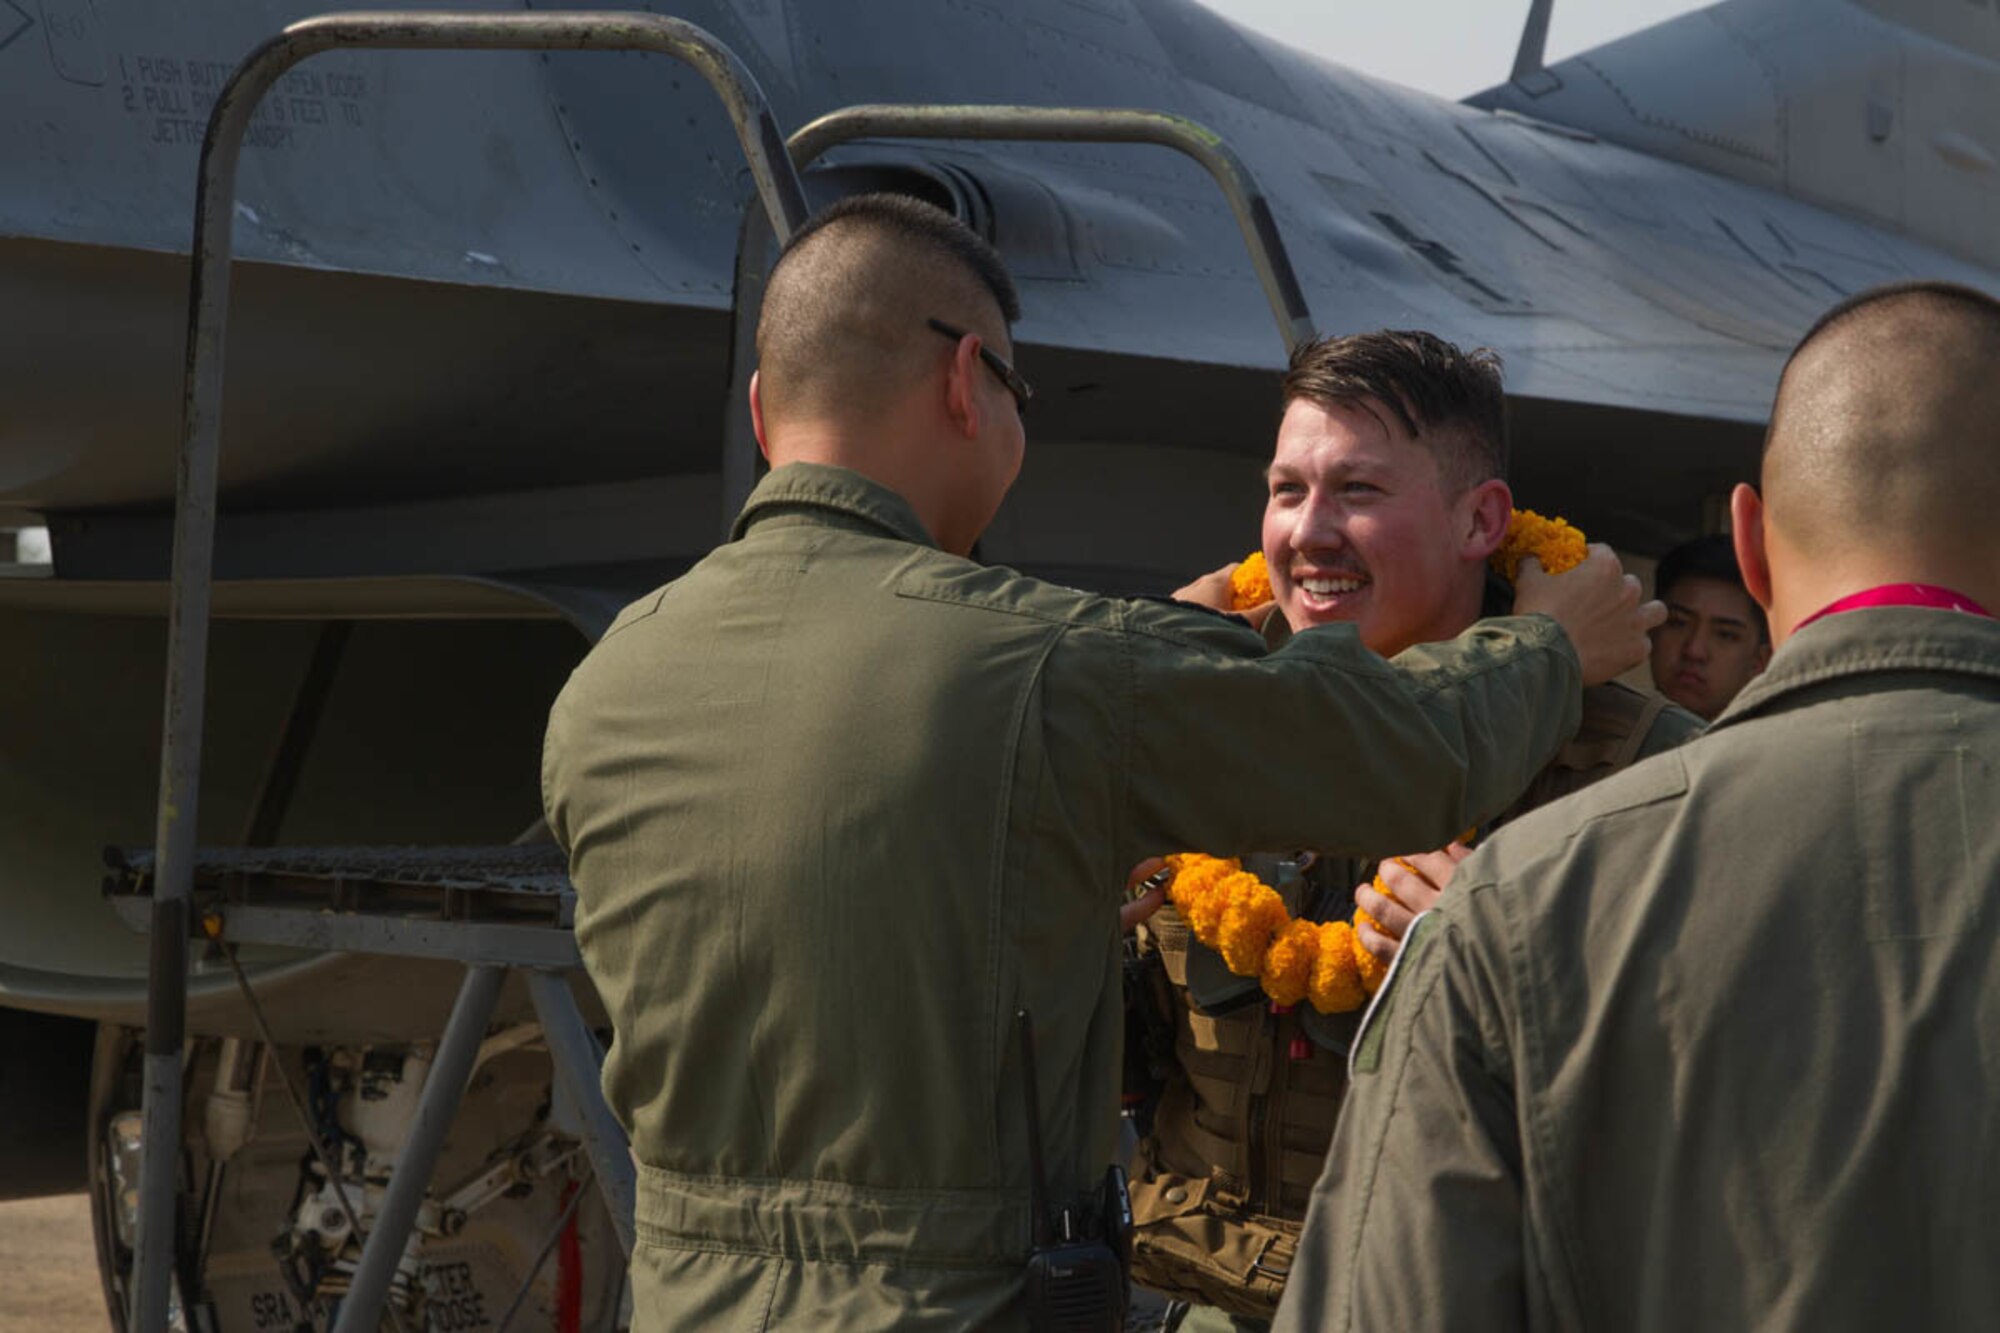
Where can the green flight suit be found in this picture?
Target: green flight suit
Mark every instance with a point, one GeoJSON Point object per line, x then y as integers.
{"type": "Point", "coordinates": [837, 804]}
{"type": "Point", "coordinates": [1711, 1045]}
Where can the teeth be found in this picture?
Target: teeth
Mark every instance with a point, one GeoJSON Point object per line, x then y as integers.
{"type": "Point", "coordinates": [1328, 587]}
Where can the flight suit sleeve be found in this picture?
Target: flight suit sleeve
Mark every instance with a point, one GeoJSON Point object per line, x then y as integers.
{"type": "Point", "coordinates": [1323, 745]}
{"type": "Point", "coordinates": [554, 810]}
{"type": "Point", "coordinates": [1416, 1221]}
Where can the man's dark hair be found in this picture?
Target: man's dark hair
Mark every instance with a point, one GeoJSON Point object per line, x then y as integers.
{"type": "Point", "coordinates": [1710, 557]}
{"type": "Point", "coordinates": [1449, 400]}
{"type": "Point", "coordinates": [922, 224]}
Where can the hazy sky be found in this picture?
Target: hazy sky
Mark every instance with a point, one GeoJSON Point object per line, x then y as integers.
{"type": "Point", "coordinates": [1400, 40]}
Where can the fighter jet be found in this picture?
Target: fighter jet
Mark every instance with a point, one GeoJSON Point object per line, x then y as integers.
{"type": "Point", "coordinates": [481, 363]}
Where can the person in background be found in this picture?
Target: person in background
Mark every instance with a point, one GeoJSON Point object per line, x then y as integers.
{"type": "Point", "coordinates": [1715, 640]}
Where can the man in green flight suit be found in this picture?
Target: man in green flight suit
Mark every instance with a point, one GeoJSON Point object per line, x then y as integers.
{"type": "Point", "coordinates": [1712, 1044]}
{"type": "Point", "coordinates": [840, 802]}
{"type": "Point", "coordinates": [1385, 502]}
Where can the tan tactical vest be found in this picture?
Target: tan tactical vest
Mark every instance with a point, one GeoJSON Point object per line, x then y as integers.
{"type": "Point", "coordinates": [1220, 1191]}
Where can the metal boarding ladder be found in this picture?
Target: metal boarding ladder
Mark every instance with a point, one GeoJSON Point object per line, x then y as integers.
{"type": "Point", "coordinates": [171, 870]}
{"type": "Point", "coordinates": [1232, 176]}
{"type": "Point", "coordinates": [492, 909]}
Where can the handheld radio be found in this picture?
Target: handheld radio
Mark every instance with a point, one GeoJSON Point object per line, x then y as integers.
{"type": "Point", "coordinates": [1076, 1270]}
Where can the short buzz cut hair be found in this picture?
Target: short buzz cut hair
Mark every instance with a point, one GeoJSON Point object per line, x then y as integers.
{"type": "Point", "coordinates": [1709, 557]}
{"type": "Point", "coordinates": [1929, 291]}
{"type": "Point", "coordinates": [1449, 400]}
{"type": "Point", "coordinates": [919, 224]}
{"type": "Point", "coordinates": [843, 328]}
{"type": "Point", "coordinates": [1889, 407]}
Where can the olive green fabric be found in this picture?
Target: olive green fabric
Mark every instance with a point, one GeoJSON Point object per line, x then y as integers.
{"type": "Point", "coordinates": [1204, 1319]}
{"type": "Point", "coordinates": [1248, 1110]}
{"type": "Point", "coordinates": [1712, 1044]}
{"type": "Point", "coordinates": [838, 804]}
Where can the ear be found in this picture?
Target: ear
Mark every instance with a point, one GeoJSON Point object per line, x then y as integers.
{"type": "Point", "coordinates": [1484, 512]}
{"type": "Point", "coordinates": [961, 398]}
{"type": "Point", "coordinates": [757, 418]}
{"type": "Point", "coordinates": [1746, 521]}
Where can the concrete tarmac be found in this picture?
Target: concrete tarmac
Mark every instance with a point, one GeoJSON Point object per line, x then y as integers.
{"type": "Point", "coordinates": [48, 1268]}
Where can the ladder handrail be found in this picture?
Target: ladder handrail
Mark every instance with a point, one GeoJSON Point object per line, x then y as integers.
{"type": "Point", "coordinates": [1089, 125]}
{"type": "Point", "coordinates": [777, 187]}
{"type": "Point", "coordinates": [1268, 255]}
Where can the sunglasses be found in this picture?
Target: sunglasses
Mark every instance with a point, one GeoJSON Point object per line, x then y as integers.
{"type": "Point", "coordinates": [1023, 391]}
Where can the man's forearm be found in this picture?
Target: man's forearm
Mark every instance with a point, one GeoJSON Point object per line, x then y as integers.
{"type": "Point", "coordinates": [1378, 754]}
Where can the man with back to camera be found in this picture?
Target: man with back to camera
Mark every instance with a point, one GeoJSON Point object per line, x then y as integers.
{"type": "Point", "coordinates": [1711, 1045]}
{"type": "Point", "coordinates": [1385, 499]}
{"type": "Point", "coordinates": [840, 803]}
{"type": "Point", "coordinates": [1715, 641]}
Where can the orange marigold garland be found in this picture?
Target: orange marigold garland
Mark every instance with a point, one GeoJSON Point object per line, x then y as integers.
{"type": "Point", "coordinates": [1250, 583]}
{"type": "Point", "coordinates": [1243, 918]}
{"type": "Point", "coordinates": [1552, 541]}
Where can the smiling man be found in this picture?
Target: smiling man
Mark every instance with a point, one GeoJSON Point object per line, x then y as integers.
{"type": "Point", "coordinates": [1385, 490]}
{"type": "Point", "coordinates": [1714, 642]}
{"type": "Point", "coordinates": [1385, 500]}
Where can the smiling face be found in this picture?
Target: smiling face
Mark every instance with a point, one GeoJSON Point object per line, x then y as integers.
{"type": "Point", "coordinates": [1360, 526]}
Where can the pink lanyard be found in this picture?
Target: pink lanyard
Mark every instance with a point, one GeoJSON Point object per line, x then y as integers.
{"type": "Point", "coordinates": [1900, 594]}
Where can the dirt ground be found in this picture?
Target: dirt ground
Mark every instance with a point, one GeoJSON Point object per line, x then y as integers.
{"type": "Point", "coordinates": [48, 1268]}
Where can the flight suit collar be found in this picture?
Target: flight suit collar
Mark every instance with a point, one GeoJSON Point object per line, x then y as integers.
{"type": "Point", "coordinates": [818, 493]}
{"type": "Point", "coordinates": [1888, 638]}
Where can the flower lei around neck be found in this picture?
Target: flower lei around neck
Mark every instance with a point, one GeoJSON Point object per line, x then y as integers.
{"type": "Point", "coordinates": [1243, 919]}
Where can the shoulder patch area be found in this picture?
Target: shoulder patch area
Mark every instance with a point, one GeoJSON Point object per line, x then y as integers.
{"type": "Point", "coordinates": [1663, 777]}
{"type": "Point", "coordinates": [637, 611]}
{"type": "Point", "coordinates": [1191, 625]}
{"type": "Point", "coordinates": [1620, 724]}
{"type": "Point", "coordinates": [934, 576]}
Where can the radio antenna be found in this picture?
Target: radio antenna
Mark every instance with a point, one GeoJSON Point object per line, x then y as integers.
{"type": "Point", "coordinates": [1038, 1189]}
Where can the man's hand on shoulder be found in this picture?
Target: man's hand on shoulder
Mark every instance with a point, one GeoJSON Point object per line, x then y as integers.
{"type": "Point", "coordinates": [1415, 883]}
{"type": "Point", "coordinates": [1212, 590]}
{"type": "Point", "coordinates": [1597, 604]}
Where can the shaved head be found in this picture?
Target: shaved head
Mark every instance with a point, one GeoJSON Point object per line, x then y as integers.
{"type": "Point", "coordinates": [1886, 428]}
{"type": "Point", "coordinates": [883, 349]}
{"type": "Point", "coordinates": [844, 331]}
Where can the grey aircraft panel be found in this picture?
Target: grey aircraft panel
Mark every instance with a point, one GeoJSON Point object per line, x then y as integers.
{"type": "Point", "coordinates": [1885, 110]}
{"type": "Point", "coordinates": [452, 168]}
{"type": "Point", "coordinates": [480, 350]}
{"type": "Point", "coordinates": [1605, 276]}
